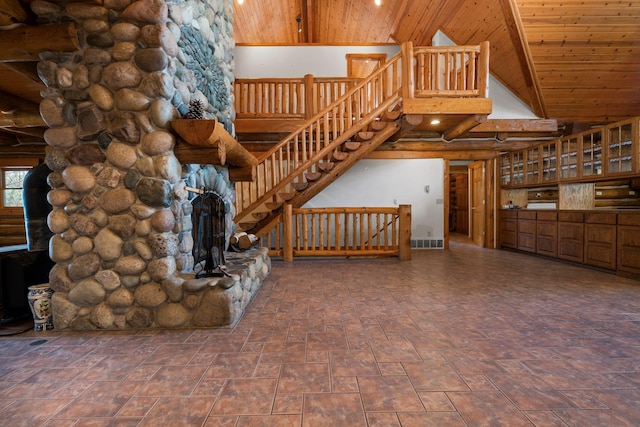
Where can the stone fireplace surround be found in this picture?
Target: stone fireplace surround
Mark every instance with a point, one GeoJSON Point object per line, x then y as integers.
{"type": "Point", "coordinates": [121, 210]}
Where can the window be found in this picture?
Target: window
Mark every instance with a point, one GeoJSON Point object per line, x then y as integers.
{"type": "Point", "coordinates": [11, 179]}
{"type": "Point", "coordinates": [12, 187]}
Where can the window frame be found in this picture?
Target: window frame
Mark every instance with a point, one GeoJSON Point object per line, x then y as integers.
{"type": "Point", "coordinates": [13, 164]}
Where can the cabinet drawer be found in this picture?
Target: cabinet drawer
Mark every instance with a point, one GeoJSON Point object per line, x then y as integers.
{"type": "Point", "coordinates": [600, 218]}
{"type": "Point", "coordinates": [547, 216]}
{"type": "Point", "coordinates": [629, 218]}
{"type": "Point", "coordinates": [511, 213]}
{"type": "Point", "coordinates": [526, 214]}
{"type": "Point", "coordinates": [570, 216]}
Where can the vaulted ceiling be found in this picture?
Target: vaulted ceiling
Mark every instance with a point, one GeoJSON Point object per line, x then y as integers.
{"type": "Point", "coordinates": [577, 61]}
{"type": "Point", "coordinates": [572, 60]}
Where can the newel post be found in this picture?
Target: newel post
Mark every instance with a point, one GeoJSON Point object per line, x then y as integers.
{"type": "Point", "coordinates": [309, 109]}
{"type": "Point", "coordinates": [408, 78]}
{"type": "Point", "coordinates": [483, 70]}
{"type": "Point", "coordinates": [287, 224]}
{"type": "Point", "coordinates": [404, 243]}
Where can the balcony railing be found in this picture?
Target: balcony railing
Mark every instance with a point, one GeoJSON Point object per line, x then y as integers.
{"type": "Point", "coordinates": [450, 71]}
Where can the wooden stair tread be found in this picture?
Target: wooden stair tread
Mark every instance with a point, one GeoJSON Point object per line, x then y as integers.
{"type": "Point", "coordinates": [391, 116]}
{"type": "Point", "coordinates": [286, 196]}
{"type": "Point", "coordinates": [352, 145]}
{"type": "Point", "coordinates": [377, 125]}
{"type": "Point", "coordinates": [299, 186]}
{"type": "Point", "coordinates": [259, 216]}
{"type": "Point", "coordinates": [273, 205]}
{"type": "Point", "coordinates": [364, 135]}
{"type": "Point", "coordinates": [312, 176]}
{"type": "Point", "coordinates": [326, 166]}
{"type": "Point", "coordinates": [339, 155]}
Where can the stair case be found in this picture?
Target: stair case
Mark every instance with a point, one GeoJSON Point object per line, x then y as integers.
{"type": "Point", "coordinates": [325, 147]}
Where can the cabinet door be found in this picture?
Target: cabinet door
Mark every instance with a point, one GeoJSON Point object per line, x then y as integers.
{"type": "Point", "coordinates": [517, 168]}
{"type": "Point", "coordinates": [533, 166]}
{"type": "Point", "coordinates": [509, 233]}
{"type": "Point", "coordinates": [592, 153]}
{"type": "Point", "coordinates": [547, 235]}
{"type": "Point", "coordinates": [629, 249]}
{"type": "Point", "coordinates": [505, 170]}
{"type": "Point", "coordinates": [527, 235]}
{"type": "Point", "coordinates": [548, 161]}
{"type": "Point", "coordinates": [600, 245]}
{"type": "Point", "coordinates": [571, 241]}
{"type": "Point", "coordinates": [569, 158]}
{"type": "Point", "coordinates": [620, 148]}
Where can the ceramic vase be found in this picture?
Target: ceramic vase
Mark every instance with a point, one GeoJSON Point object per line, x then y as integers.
{"type": "Point", "coordinates": [39, 298]}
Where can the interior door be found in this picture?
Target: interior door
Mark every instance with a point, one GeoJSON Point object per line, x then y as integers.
{"type": "Point", "coordinates": [360, 65]}
{"type": "Point", "coordinates": [478, 202]}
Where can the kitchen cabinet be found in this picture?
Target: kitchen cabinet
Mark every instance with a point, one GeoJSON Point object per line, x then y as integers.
{"type": "Point", "coordinates": [547, 233]}
{"type": "Point", "coordinates": [628, 243]}
{"type": "Point", "coordinates": [509, 228]}
{"type": "Point", "coordinates": [600, 240]}
{"type": "Point", "coordinates": [527, 230]}
{"type": "Point", "coordinates": [620, 153]}
{"type": "Point", "coordinates": [571, 236]}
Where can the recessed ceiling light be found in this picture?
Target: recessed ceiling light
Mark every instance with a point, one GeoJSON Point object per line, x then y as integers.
{"type": "Point", "coordinates": [240, 1]}
{"type": "Point", "coordinates": [435, 122]}
{"type": "Point", "coordinates": [377, 2]}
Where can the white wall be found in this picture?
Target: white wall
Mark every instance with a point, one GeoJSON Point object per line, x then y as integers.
{"type": "Point", "coordinates": [296, 61]}
{"type": "Point", "coordinates": [389, 183]}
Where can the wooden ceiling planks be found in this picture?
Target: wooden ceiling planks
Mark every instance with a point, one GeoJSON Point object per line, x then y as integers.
{"type": "Point", "coordinates": [586, 56]}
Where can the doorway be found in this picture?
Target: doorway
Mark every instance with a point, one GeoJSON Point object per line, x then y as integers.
{"type": "Point", "coordinates": [470, 205]}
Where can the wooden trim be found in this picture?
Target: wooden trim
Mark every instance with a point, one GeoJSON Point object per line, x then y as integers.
{"type": "Point", "coordinates": [519, 39]}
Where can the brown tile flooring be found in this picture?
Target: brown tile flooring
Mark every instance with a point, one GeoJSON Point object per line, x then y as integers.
{"type": "Point", "coordinates": [465, 337]}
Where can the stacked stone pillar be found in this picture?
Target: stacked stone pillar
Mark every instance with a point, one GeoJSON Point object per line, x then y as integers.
{"type": "Point", "coordinates": [121, 214]}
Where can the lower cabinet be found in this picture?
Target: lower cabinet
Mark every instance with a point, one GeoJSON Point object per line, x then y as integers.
{"type": "Point", "coordinates": [628, 242]}
{"type": "Point", "coordinates": [547, 233]}
{"type": "Point", "coordinates": [527, 231]}
{"type": "Point", "coordinates": [509, 229]}
{"type": "Point", "coordinates": [600, 240]}
{"type": "Point", "coordinates": [571, 236]}
{"type": "Point", "coordinates": [606, 239]}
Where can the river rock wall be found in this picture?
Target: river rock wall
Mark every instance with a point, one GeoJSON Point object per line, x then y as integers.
{"type": "Point", "coordinates": [121, 212]}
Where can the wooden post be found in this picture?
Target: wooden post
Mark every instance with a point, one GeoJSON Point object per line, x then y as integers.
{"type": "Point", "coordinates": [483, 70]}
{"type": "Point", "coordinates": [287, 224]}
{"type": "Point", "coordinates": [309, 106]}
{"type": "Point", "coordinates": [408, 78]}
{"type": "Point", "coordinates": [404, 243]}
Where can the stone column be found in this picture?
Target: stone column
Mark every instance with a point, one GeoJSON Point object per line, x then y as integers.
{"type": "Point", "coordinates": [121, 214]}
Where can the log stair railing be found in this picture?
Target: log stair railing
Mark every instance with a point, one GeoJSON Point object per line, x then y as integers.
{"type": "Point", "coordinates": [322, 149]}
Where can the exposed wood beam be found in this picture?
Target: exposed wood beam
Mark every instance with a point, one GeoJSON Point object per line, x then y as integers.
{"type": "Point", "coordinates": [24, 43]}
{"type": "Point", "coordinates": [18, 113]}
{"type": "Point", "coordinates": [517, 125]}
{"type": "Point", "coordinates": [11, 12]}
{"type": "Point", "coordinates": [308, 20]}
{"type": "Point", "coordinates": [27, 70]}
{"type": "Point", "coordinates": [436, 154]}
{"type": "Point", "coordinates": [521, 46]}
{"type": "Point", "coordinates": [464, 126]}
{"type": "Point", "coordinates": [408, 122]}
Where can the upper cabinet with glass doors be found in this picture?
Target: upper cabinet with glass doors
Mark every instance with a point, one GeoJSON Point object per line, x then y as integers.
{"type": "Point", "coordinates": [597, 154]}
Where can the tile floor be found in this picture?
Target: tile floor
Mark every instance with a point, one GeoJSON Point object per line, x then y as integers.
{"type": "Point", "coordinates": [465, 337]}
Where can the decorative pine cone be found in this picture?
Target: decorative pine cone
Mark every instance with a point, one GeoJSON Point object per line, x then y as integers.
{"type": "Point", "coordinates": [196, 110]}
